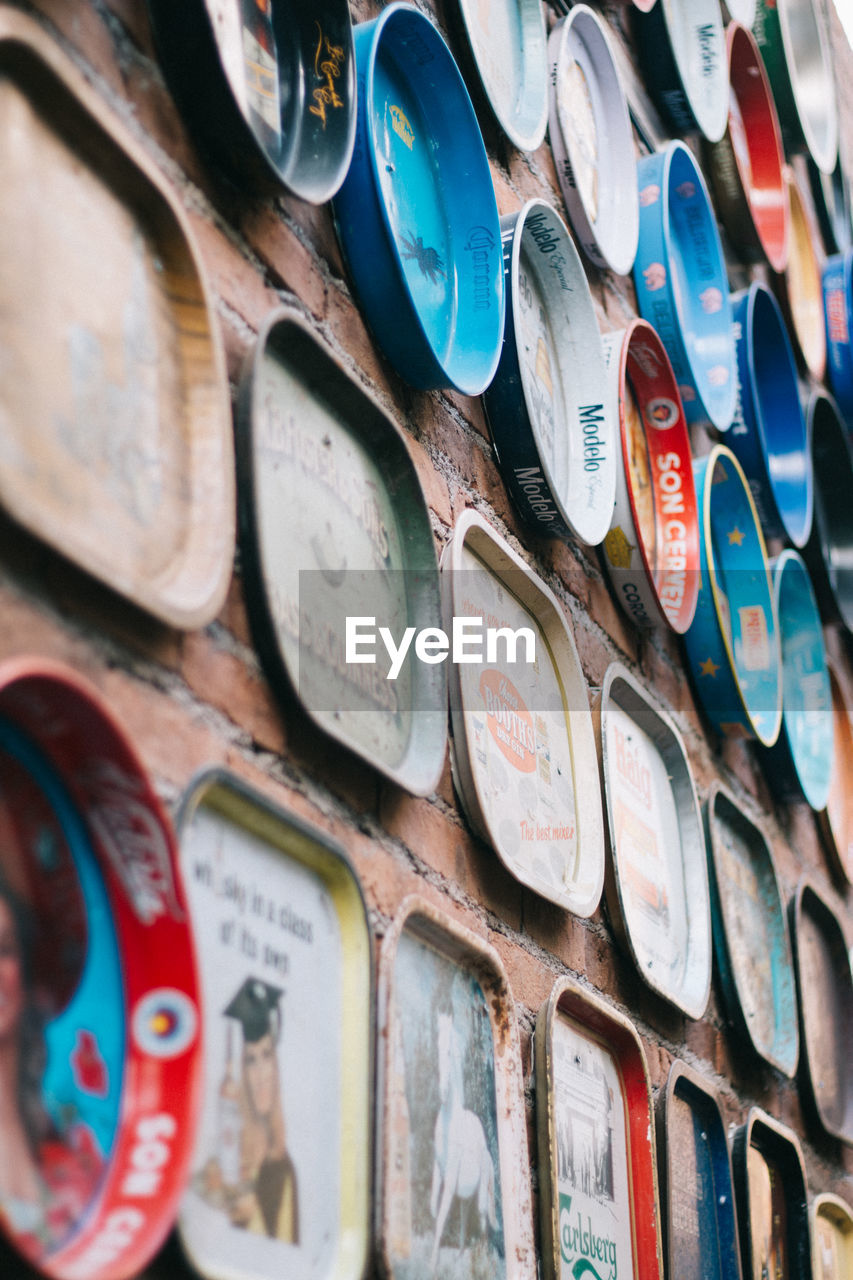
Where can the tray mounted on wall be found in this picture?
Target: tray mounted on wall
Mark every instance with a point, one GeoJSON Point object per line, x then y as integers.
{"type": "Point", "coordinates": [770, 1184]}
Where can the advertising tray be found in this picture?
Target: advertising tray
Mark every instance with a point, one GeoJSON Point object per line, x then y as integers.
{"type": "Point", "coordinates": [832, 1238]}
{"type": "Point", "coordinates": [773, 1215]}
{"type": "Point", "coordinates": [838, 310]}
{"type": "Point", "coordinates": [794, 43]}
{"type": "Point", "coordinates": [799, 288]}
{"type": "Point", "coordinates": [507, 42]}
{"type": "Point", "coordinates": [682, 47]}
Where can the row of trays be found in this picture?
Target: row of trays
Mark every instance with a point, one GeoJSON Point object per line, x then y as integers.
{"type": "Point", "coordinates": [126, 948]}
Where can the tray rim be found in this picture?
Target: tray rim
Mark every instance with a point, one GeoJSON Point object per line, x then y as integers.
{"type": "Point", "coordinates": [688, 84]}
{"type": "Point", "coordinates": [532, 20]}
{"type": "Point", "coordinates": [842, 867]}
{"type": "Point", "coordinates": [772, 1138]}
{"type": "Point", "coordinates": [827, 1205]}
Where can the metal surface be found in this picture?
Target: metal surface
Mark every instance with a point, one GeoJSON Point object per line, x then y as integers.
{"type": "Point", "coordinates": [416, 216]}
{"type": "Point", "coordinates": [838, 312]}
{"type": "Point", "coordinates": [794, 43]}
{"type": "Point", "coordinates": [682, 46]}
{"type": "Point", "coordinates": [281, 1171]}
{"type": "Point", "coordinates": [832, 1238]}
{"type": "Point", "coordinates": [454, 1190]}
{"type": "Point", "coordinates": [523, 751]}
{"type": "Point", "coordinates": [828, 550]}
{"type": "Point", "coordinates": [770, 1182]}
{"type": "Point", "coordinates": [657, 878]}
{"type": "Point", "coordinates": [836, 820]}
{"type": "Point", "coordinates": [554, 436]}
{"type": "Point", "coordinates": [117, 444]}
{"type": "Point", "coordinates": [651, 551]}
{"type": "Point", "coordinates": [831, 197]}
{"type": "Point", "coordinates": [751, 939]}
{"type": "Point", "coordinates": [507, 41]}
{"type": "Point", "coordinates": [334, 524]}
{"type": "Point", "coordinates": [598, 1192]}
{"type": "Point", "coordinates": [799, 288]}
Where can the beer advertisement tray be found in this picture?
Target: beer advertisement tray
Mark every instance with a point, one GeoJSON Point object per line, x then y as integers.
{"type": "Point", "coordinates": [554, 437]}
{"type": "Point", "coordinates": [105, 1027]}
{"type": "Point", "coordinates": [507, 43]}
{"type": "Point", "coordinates": [592, 141]}
{"type": "Point", "coordinates": [683, 49]}
{"type": "Point", "coordinates": [281, 1170]}
{"type": "Point", "coordinates": [836, 820]}
{"type": "Point", "coordinates": [799, 288]}
{"type": "Point", "coordinates": [825, 984]}
{"type": "Point", "coordinates": [751, 939]}
{"type": "Point", "coordinates": [334, 525]}
{"type": "Point", "coordinates": [832, 1237]}
{"type": "Point", "coordinates": [117, 447]}
{"type": "Point", "coordinates": [829, 550]}
{"type": "Point", "coordinates": [838, 310]}
{"type": "Point", "coordinates": [657, 878]}
{"type": "Point", "coordinates": [700, 1223]}
{"type": "Point", "coordinates": [770, 1184]}
{"type": "Point", "coordinates": [651, 551]}
{"type": "Point", "coordinates": [523, 749]}
{"type": "Point", "coordinates": [454, 1193]}
{"type": "Point", "coordinates": [598, 1189]}
{"type": "Point", "coordinates": [794, 43]}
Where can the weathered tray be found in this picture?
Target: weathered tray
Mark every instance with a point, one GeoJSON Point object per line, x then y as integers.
{"type": "Point", "coordinates": [832, 1238]}
{"type": "Point", "coordinates": [282, 1166]}
{"type": "Point", "coordinates": [799, 288]}
{"type": "Point", "coordinates": [773, 1216]}
{"type": "Point", "coordinates": [114, 410]}
{"type": "Point", "coordinates": [454, 1191]}
{"type": "Point", "coordinates": [507, 45]}
{"type": "Point", "coordinates": [598, 1193]}
{"type": "Point", "coordinates": [836, 820]}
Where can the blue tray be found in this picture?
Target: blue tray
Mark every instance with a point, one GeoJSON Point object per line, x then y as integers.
{"type": "Point", "coordinates": [837, 308]}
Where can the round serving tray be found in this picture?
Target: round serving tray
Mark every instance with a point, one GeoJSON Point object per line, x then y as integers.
{"type": "Point", "coordinates": [272, 96]}
{"type": "Point", "coordinates": [651, 551]}
{"type": "Point", "coordinates": [799, 288]}
{"type": "Point", "coordinates": [507, 41]}
{"type": "Point", "coordinates": [741, 11]}
{"type": "Point", "coordinates": [829, 550]}
{"type": "Point", "coordinates": [795, 46]}
{"type": "Point", "coordinates": [770, 1184]}
{"type": "Point", "coordinates": [832, 1237]}
{"type": "Point", "coordinates": [682, 47]}
{"type": "Point", "coordinates": [732, 645]}
{"type": "Point", "coordinates": [592, 140]}
{"type": "Point", "coordinates": [416, 216]}
{"type": "Point", "coordinates": [831, 197]}
{"type": "Point", "coordinates": [836, 820]}
{"type": "Point", "coordinates": [768, 435]}
{"type": "Point", "coordinates": [746, 164]}
{"type": "Point", "coordinates": [554, 436]}
{"type": "Point", "coordinates": [838, 312]}
{"type": "Point", "coordinates": [681, 282]}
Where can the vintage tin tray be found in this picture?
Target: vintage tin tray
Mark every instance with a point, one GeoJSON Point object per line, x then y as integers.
{"type": "Point", "coordinates": [281, 1170]}
{"type": "Point", "coordinates": [554, 437]}
{"type": "Point", "coordinates": [799, 765]}
{"type": "Point", "coordinates": [799, 289]}
{"type": "Point", "coordinates": [592, 141]}
{"type": "Point", "coordinates": [682, 286]}
{"type": "Point", "coordinates": [523, 751]}
{"type": "Point", "coordinates": [700, 1224]}
{"type": "Point", "coordinates": [795, 46]}
{"type": "Point", "coordinates": [751, 939]}
{"type": "Point", "coordinates": [732, 645]}
{"type": "Point", "coordinates": [598, 1194]}
{"type": "Point", "coordinates": [838, 311]}
{"type": "Point", "coordinates": [117, 446]}
{"type": "Point", "coordinates": [507, 43]}
{"type": "Point", "coordinates": [768, 434]}
{"type": "Point", "coordinates": [417, 216]}
{"type": "Point", "coordinates": [832, 1238]}
{"type": "Point", "coordinates": [682, 47]}
{"type": "Point", "coordinates": [828, 550]}
{"type": "Point", "coordinates": [831, 198]}
{"type": "Point", "coordinates": [268, 88]}
{"type": "Point", "coordinates": [453, 1186]}
{"type": "Point", "coordinates": [657, 878]}
{"type": "Point", "coordinates": [334, 524]}
{"type": "Point", "coordinates": [100, 1018]}
{"type": "Point", "coordinates": [651, 551]}
{"type": "Point", "coordinates": [836, 820]}
{"type": "Point", "coordinates": [746, 164]}
{"type": "Point", "coordinates": [773, 1216]}
{"type": "Point", "coordinates": [825, 986]}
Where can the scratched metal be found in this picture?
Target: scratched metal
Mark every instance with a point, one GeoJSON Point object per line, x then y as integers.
{"type": "Point", "coordinates": [770, 1185]}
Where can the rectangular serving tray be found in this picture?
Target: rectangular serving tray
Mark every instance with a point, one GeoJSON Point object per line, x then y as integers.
{"type": "Point", "coordinates": [770, 1184]}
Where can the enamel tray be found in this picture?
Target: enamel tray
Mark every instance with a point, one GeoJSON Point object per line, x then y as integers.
{"type": "Point", "coordinates": [829, 550]}
{"type": "Point", "coordinates": [523, 750]}
{"type": "Point", "coordinates": [682, 47]}
{"type": "Point", "coordinates": [116, 430]}
{"type": "Point", "coordinates": [770, 1182]}
{"type": "Point", "coordinates": [107, 1020]}
{"type": "Point", "coordinates": [751, 939]}
{"type": "Point", "coordinates": [681, 282]}
{"type": "Point", "coordinates": [700, 1225]}
{"type": "Point", "coordinates": [825, 985]}
{"type": "Point", "coordinates": [651, 551]}
{"type": "Point", "coordinates": [416, 216]}
{"type": "Point", "coordinates": [507, 43]}
{"type": "Point", "coordinates": [838, 309]}
{"type": "Point", "coordinates": [271, 97]}
{"type": "Point", "coordinates": [334, 524]}
{"type": "Point", "coordinates": [836, 820]}
{"type": "Point", "coordinates": [768, 434]}
{"type": "Point", "coordinates": [795, 46]}
{"type": "Point", "coordinates": [450, 1088]}
{"type": "Point", "coordinates": [746, 164]}
{"type": "Point", "coordinates": [657, 877]}
{"type": "Point", "coordinates": [592, 141]}
{"type": "Point", "coordinates": [554, 437]}
{"type": "Point", "coordinates": [831, 197]}
{"type": "Point", "coordinates": [832, 1238]}
{"type": "Point", "coordinates": [799, 288]}
{"type": "Point", "coordinates": [598, 1192]}
{"type": "Point", "coordinates": [732, 645]}
{"type": "Point", "coordinates": [285, 957]}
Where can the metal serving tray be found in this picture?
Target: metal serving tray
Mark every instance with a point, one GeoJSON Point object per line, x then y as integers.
{"type": "Point", "coordinates": [836, 820]}
{"type": "Point", "coordinates": [773, 1215]}
{"type": "Point", "coordinates": [832, 1238]}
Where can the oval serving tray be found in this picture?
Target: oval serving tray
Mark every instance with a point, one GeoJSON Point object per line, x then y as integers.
{"type": "Point", "coordinates": [832, 1237]}
{"type": "Point", "coordinates": [523, 751]}
{"type": "Point", "coordinates": [592, 141]}
{"type": "Point", "coordinates": [681, 282]}
{"type": "Point", "coordinates": [682, 47]}
{"type": "Point", "coordinates": [285, 959]}
{"type": "Point", "coordinates": [416, 216]}
{"type": "Point", "coordinates": [829, 550]}
{"type": "Point", "coordinates": [751, 940]}
{"type": "Point", "coordinates": [651, 551]}
{"type": "Point", "coordinates": [836, 820]}
{"type": "Point", "coordinates": [656, 878]}
{"type": "Point", "coordinates": [117, 443]}
{"type": "Point", "coordinates": [554, 436]}
{"type": "Point", "coordinates": [598, 1190]}
{"type": "Point", "coordinates": [838, 311]}
{"type": "Point", "coordinates": [507, 42]}
{"type": "Point", "coordinates": [770, 1183]}
{"type": "Point", "coordinates": [795, 46]}
{"type": "Point", "coordinates": [799, 288]}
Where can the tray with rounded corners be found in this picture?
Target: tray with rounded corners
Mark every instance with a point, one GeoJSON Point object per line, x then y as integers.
{"type": "Point", "coordinates": [836, 820]}
{"type": "Point", "coordinates": [832, 1237]}
{"type": "Point", "coordinates": [799, 288]}
{"type": "Point", "coordinates": [507, 41]}
{"type": "Point", "coordinates": [795, 46]}
{"type": "Point", "coordinates": [770, 1184]}
{"type": "Point", "coordinates": [828, 550]}
{"type": "Point", "coordinates": [682, 46]}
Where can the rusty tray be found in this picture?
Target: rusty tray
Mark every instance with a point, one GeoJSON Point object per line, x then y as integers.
{"type": "Point", "coordinates": [751, 938]}
{"type": "Point", "coordinates": [770, 1184]}
{"type": "Point", "coordinates": [453, 1187]}
{"type": "Point", "coordinates": [836, 820]}
{"type": "Point", "coordinates": [832, 1238]}
{"type": "Point", "coordinates": [115, 427]}
{"type": "Point", "coordinates": [598, 1193]}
